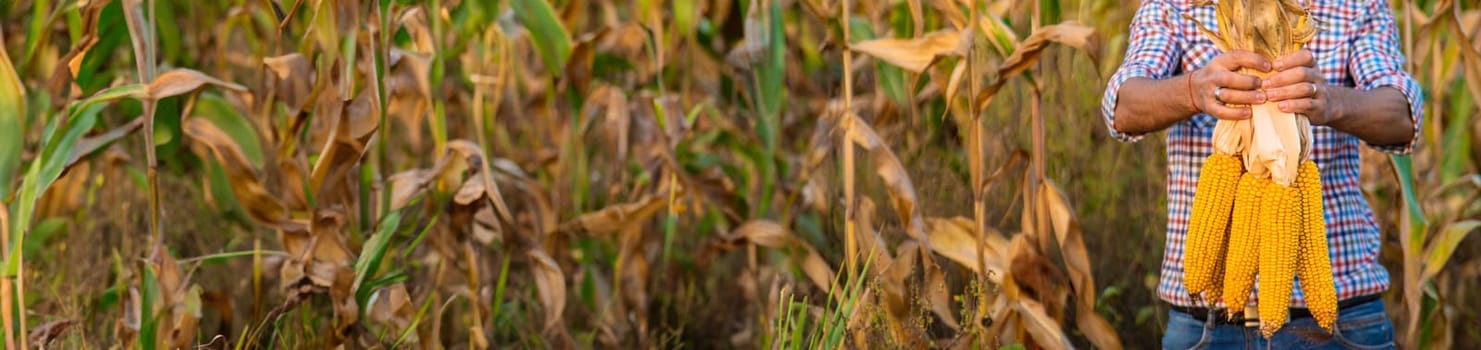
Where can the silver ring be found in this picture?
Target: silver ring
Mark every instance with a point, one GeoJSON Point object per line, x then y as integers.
{"type": "Point", "coordinates": [1218, 94]}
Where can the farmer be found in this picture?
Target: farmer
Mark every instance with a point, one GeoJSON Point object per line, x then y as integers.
{"type": "Point", "coordinates": [1349, 81]}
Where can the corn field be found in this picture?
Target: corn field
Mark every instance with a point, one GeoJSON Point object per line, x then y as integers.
{"type": "Point", "coordinates": [800, 174]}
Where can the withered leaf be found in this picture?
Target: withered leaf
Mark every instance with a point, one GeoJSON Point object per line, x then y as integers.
{"type": "Point", "coordinates": [1070, 33]}
{"type": "Point", "coordinates": [392, 306]}
{"type": "Point", "coordinates": [1077, 263]}
{"type": "Point", "coordinates": [260, 205]}
{"type": "Point", "coordinates": [293, 78]}
{"type": "Point", "coordinates": [473, 155]}
{"type": "Point", "coordinates": [914, 54]}
{"type": "Point", "coordinates": [1045, 331]}
{"type": "Point", "coordinates": [182, 80]}
{"type": "Point", "coordinates": [552, 284]}
{"type": "Point", "coordinates": [890, 170]}
{"type": "Point", "coordinates": [955, 239]}
{"type": "Point", "coordinates": [614, 218]}
{"type": "Point", "coordinates": [770, 234]}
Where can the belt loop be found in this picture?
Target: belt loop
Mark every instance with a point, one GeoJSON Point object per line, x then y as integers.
{"type": "Point", "coordinates": [1208, 319]}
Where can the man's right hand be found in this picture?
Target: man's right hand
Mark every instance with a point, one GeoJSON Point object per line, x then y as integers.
{"type": "Point", "coordinates": [1219, 90]}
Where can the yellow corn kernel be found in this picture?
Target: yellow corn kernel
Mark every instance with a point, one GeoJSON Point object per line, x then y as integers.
{"type": "Point", "coordinates": [1213, 201]}
{"type": "Point", "coordinates": [1279, 228]}
{"type": "Point", "coordinates": [1241, 264]}
{"type": "Point", "coordinates": [1315, 270]}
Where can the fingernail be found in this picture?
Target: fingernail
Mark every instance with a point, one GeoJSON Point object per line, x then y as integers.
{"type": "Point", "coordinates": [1260, 96]}
{"type": "Point", "coordinates": [1283, 106]}
{"type": "Point", "coordinates": [1264, 83]}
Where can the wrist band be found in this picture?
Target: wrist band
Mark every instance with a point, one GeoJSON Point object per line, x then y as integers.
{"type": "Point", "coordinates": [1192, 102]}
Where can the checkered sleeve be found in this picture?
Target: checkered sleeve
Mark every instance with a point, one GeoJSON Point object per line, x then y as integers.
{"type": "Point", "coordinates": [1152, 52]}
{"type": "Point", "coordinates": [1377, 61]}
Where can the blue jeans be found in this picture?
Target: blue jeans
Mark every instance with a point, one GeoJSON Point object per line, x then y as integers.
{"type": "Point", "coordinates": [1365, 326]}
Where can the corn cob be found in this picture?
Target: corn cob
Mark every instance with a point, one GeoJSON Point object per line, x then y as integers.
{"type": "Point", "coordinates": [1203, 256]}
{"type": "Point", "coordinates": [1315, 270]}
{"type": "Point", "coordinates": [1239, 274]}
{"type": "Point", "coordinates": [1280, 225]}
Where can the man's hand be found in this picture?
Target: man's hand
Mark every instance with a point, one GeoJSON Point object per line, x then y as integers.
{"type": "Point", "coordinates": [1298, 87]}
{"type": "Point", "coordinates": [1219, 85]}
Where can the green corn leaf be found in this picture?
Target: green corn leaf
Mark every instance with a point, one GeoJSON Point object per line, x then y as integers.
{"type": "Point", "coordinates": [45, 170]}
{"type": "Point", "coordinates": [215, 108]}
{"type": "Point", "coordinates": [1444, 247]}
{"type": "Point", "coordinates": [12, 111]}
{"type": "Point", "coordinates": [1404, 172]}
{"type": "Point", "coordinates": [148, 320]}
{"type": "Point", "coordinates": [550, 36]}
{"type": "Point", "coordinates": [372, 254]}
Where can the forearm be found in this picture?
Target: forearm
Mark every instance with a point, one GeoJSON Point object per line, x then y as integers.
{"type": "Point", "coordinates": [1145, 105]}
{"type": "Point", "coordinates": [1379, 116]}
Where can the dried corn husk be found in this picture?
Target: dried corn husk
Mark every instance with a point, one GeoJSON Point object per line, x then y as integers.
{"type": "Point", "coordinates": [1272, 142]}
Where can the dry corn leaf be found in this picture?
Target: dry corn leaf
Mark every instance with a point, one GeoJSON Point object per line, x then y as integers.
{"type": "Point", "coordinates": [951, 11]}
{"type": "Point", "coordinates": [954, 239]}
{"type": "Point", "coordinates": [331, 178]}
{"type": "Point", "coordinates": [876, 252]}
{"type": "Point", "coordinates": [292, 79]}
{"type": "Point", "coordinates": [1070, 33]}
{"type": "Point", "coordinates": [181, 80]}
{"type": "Point", "coordinates": [613, 218]}
{"type": "Point", "coordinates": [141, 35]}
{"type": "Point", "coordinates": [391, 305]}
{"type": "Point", "coordinates": [894, 296]}
{"type": "Point", "coordinates": [63, 76]}
{"type": "Point", "coordinates": [43, 334]}
{"type": "Point", "coordinates": [552, 285]}
{"type": "Point", "coordinates": [765, 233]}
{"type": "Point", "coordinates": [773, 235]}
{"type": "Point", "coordinates": [260, 205]}
{"type": "Point", "coordinates": [937, 291]}
{"type": "Point", "coordinates": [1077, 263]}
{"type": "Point", "coordinates": [889, 169]}
{"type": "Point", "coordinates": [472, 154]}
{"type": "Point", "coordinates": [751, 50]}
{"type": "Point", "coordinates": [1045, 331]}
{"type": "Point", "coordinates": [1470, 54]}
{"type": "Point", "coordinates": [914, 54]}
{"type": "Point", "coordinates": [409, 86]}
{"type": "Point", "coordinates": [414, 20]}
{"type": "Point", "coordinates": [187, 318]}
{"type": "Point", "coordinates": [407, 184]}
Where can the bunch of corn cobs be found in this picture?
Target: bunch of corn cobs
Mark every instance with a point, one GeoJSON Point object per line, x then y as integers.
{"type": "Point", "coordinates": [1258, 205]}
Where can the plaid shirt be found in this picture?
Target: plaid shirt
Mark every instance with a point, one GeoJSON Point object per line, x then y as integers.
{"type": "Point", "coordinates": [1357, 46]}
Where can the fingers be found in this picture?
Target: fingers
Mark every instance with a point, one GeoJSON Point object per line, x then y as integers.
{"type": "Point", "coordinates": [1232, 80]}
{"type": "Point", "coordinates": [1301, 90]}
{"type": "Point", "coordinates": [1241, 97]}
{"type": "Point", "coordinates": [1293, 76]}
{"type": "Point", "coordinates": [1234, 60]}
{"type": "Point", "coordinates": [1302, 58]}
{"type": "Point", "coordinates": [1305, 106]}
{"type": "Point", "coordinates": [1225, 112]}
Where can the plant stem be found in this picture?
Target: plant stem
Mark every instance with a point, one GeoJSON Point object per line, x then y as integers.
{"type": "Point", "coordinates": [5, 284]}
{"type": "Point", "coordinates": [851, 243]}
{"type": "Point", "coordinates": [979, 207]}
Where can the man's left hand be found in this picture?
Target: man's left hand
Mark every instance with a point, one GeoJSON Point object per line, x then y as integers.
{"type": "Point", "coordinates": [1298, 87]}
